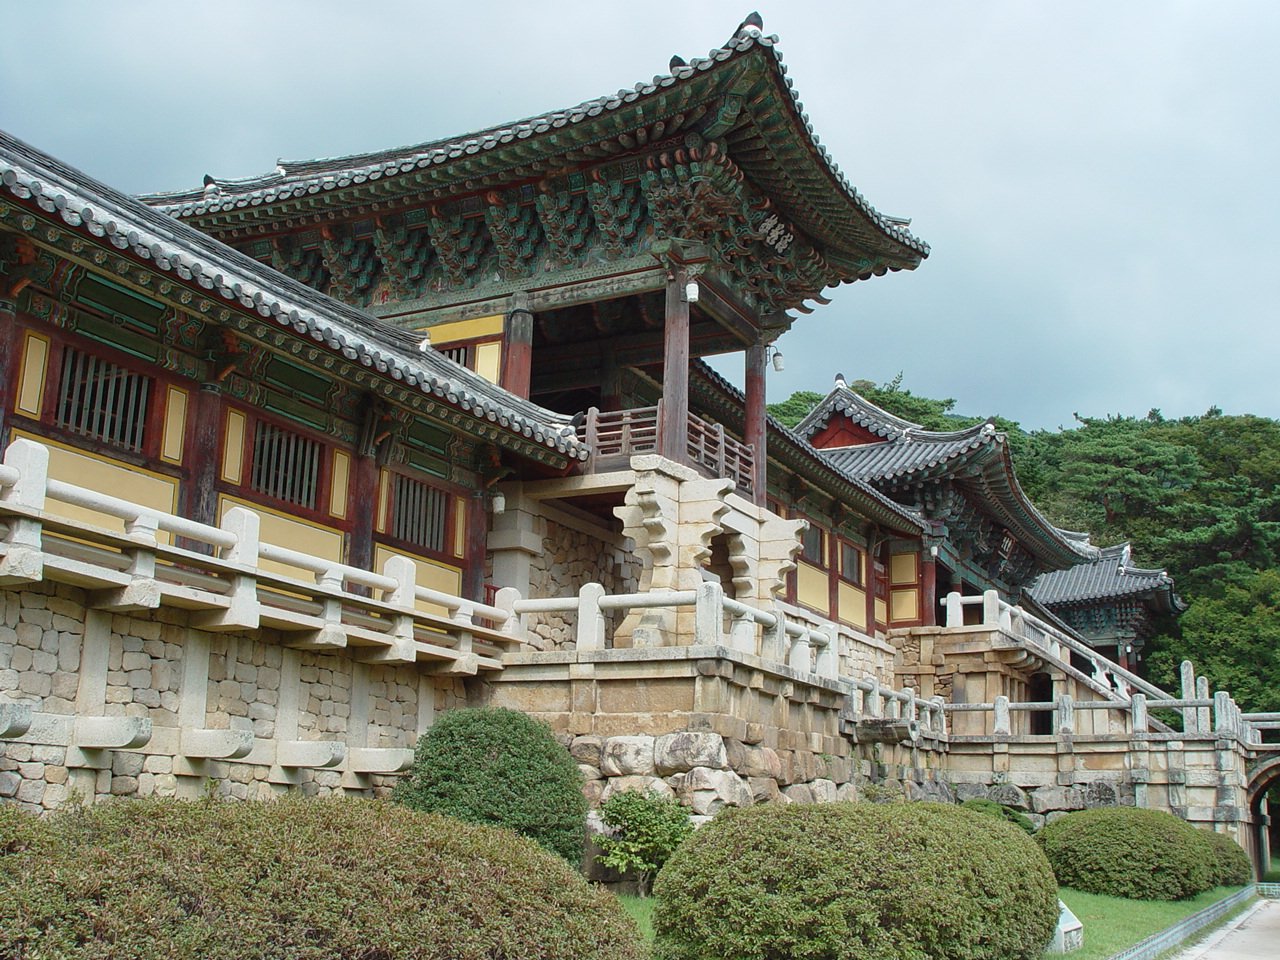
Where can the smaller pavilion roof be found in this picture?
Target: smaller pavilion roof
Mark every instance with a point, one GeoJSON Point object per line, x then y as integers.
{"type": "Point", "coordinates": [900, 453]}
{"type": "Point", "coordinates": [1112, 576]}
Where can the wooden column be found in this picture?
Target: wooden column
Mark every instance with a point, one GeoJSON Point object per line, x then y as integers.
{"type": "Point", "coordinates": [362, 500]}
{"type": "Point", "coordinates": [475, 544]}
{"type": "Point", "coordinates": [517, 347]}
{"type": "Point", "coordinates": [928, 588]}
{"type": "Point", "coordinates": [203, 459]}
{"type": "Point", "coordinates": [674, 440]}
{"type": "Point", "coordinates": [10, 356]}
{"type": "Point", "coordinates": [755, 433]}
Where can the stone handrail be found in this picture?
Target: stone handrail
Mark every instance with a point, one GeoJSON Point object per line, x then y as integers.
{"type": "Point", "coordinates": [232, 590]}
{"type": "Point", "coordinates": [772, 636]}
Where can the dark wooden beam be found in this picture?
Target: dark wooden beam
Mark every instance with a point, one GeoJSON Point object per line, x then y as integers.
{"type": "Point", "coordinates": [754, 432]}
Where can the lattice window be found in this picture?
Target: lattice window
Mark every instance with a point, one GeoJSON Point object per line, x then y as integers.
{"type": "Point", "coordinates": [100, 399]}
{"type": "Point", "coordinates": [286, 465]}
{"type": "Point", "coordinates": [459, 355]}
{"type": "Point", "coordinates": [420, 514]}
{"type": "Point", "coordinates": [814, 545]}
{"type": "Point", "coordinates": [850, 563]}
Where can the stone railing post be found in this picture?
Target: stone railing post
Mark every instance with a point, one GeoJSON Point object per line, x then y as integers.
{"type": "Point", "coordinates": [1066, 715]}
{"type": "Point", "coordinates": [242, 611]}
{"type": "Point", "coordinates": [955, 610]}
{"type": "Point", "coordinates": [799, 658]}
{"type": "Point", "coordinates": [1002, 721]}
{"type": "Point", "coordinates": [505, 599]}
{"type": "Point", "coordinates": [708, 621]}
{"type": "Point", "coordinates": [24, 559]}
{"type": "Point", "coordinates": [1223, 719]}
{"type": "Point", "coordinates": [591, 626]}
{"type": "Point", "coordinates": [773, 640]}
{"type": "Point", "coordinates": [1187, 673]}
{"type": "Point", "coordinates": [405, 596]}
{"type": "Point", "coordinates": [1138, 706]}
{"type": "Point", "coordinates": [1202, 713]}
{"type": "Point", "coordinates": [991, 608]}
{"type": "Point", "coordinates": [828, 664]}
{"type": "Point", "coordinates": [939, 715]}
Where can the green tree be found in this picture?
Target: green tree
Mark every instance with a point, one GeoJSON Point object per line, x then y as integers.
{"type": "Point", "coordinates": [647, 829]}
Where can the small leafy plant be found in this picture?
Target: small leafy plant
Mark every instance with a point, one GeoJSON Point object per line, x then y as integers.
{"type": "Point", "coordinates": [647, 829]}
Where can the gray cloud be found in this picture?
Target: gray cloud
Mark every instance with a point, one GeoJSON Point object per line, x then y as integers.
{"type": "Point", "coordinates": [1097, 180]}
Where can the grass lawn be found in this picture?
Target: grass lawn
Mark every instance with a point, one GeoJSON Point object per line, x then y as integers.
{"type": "Point", "coordinates": [641, 910]}
{"type": "Point", "coordinates": [1111, 924]}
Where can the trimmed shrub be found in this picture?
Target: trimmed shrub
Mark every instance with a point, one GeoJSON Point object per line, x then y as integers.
{"type": "Point", "coordinates": [841, 881]}
{"type": "Point", "coordinates": [1127, 852]}
{"type": "Point", "coordinates": [998, 810]}
{"type": "Point", "coordinates": [647, 830]}
{"type": "Point", "coordinates": [1230, 864]}
{"type": "Point", "coordinates": [297, 879]}
{"type": "Point", "coordinates": [503, 768]}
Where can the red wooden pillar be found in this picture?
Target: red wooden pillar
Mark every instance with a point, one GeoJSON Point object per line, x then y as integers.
{"type": "Point", "coordinates": [203, 455]}
{"type": "Point", "coordinates": [477, 518]}
{"type": "Point", "coordinates": [362, 497]}
{"type": "Point", "coordinates": [10, 351]}
{"type": "Point", "coordinates": [755, 433]}
{"type": "Point", "coordinates": [674, 440]}
{"type": "Point", "coordinates": [929, 587]}
{"type": "Point", "coordinates": [517, 347]}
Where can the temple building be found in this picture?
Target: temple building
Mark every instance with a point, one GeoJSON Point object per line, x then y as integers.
{"type": "Point", "coordinates": [1114, 605]}
{"type": "Point", "coordinates": [294, 463]}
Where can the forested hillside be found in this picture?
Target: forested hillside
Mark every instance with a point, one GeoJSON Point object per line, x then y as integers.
{"type": "Point", "coordinates": [1199, 496]}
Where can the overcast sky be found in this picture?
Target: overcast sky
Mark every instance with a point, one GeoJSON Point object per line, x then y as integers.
{"type": "Point", "coordinates": [1099, 181]}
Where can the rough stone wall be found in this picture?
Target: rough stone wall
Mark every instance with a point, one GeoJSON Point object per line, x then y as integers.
{"type": "Point", "coordinates": [43, 664]}
{"type": "Point", "coordinates": [570, 559]}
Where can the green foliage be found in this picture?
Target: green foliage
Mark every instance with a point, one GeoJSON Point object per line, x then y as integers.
{"type": "Point", "coordinates": [648, 828]}
{"type": "Point", "coordinates": [1113, 924]}
{"type": "Point", "coordinates": [998, 810]}
{"type": "Point", "coordinates": [1127, 852]}
{"type": "Point", "coordinates": [503, 768]}
{"type": "Point", "coordinates": [296, 879]}
{"type": "Point", "coordinates": [1230, 864]}
{"type": "Point", "coordinates": [795, 408]}
{"type": "Point", "coordinates": [842, 881]}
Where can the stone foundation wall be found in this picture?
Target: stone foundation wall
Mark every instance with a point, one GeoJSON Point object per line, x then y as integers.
{"type": "Point", "coordinates": [570, 559]}
{"type": "Point", "coordinates": [63, 659]}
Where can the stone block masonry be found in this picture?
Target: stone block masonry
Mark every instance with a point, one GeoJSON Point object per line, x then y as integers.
{"type": "Point", "coordinates": [141, 704]}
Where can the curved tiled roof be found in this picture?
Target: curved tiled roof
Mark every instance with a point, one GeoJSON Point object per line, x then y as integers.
{"type": "Point", "coordinates": [977, 455]}
{"type": "Point", "coordinates": [536, 138]}
{"type": "Point", "coordinates": [1111, 576]}
{"type": "Point", "coordinates": [83, 203]}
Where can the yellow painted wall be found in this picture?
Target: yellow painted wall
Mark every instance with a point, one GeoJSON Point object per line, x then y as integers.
{"type": "Point", "coordinates": [811, 586]}
{"type": "Point", "coordinates": [95, 472]}
{"type": "Point", "coordinates": [338, 486]}
{"type": "Point", "coordinates": [35, 356]}
{"type": "Point", "coordinates": [233, 447]}
{"type": "Point", "coordinates": [853, 605]}
{"type": "Point", "coordinates": [882, 610]}
{"type": "Point", "coordinates": [286, 531]}
{"type": "Point", "coordinates": [443, 333]}
{"type": "Point", "coordinates": [902, 569]}
{"type": "Point", "coordinates": [431, 574]}
{"type": "Point", "coordinates": [904, 604]}
{"type": "Point", "coordinates": [489, 361]}
{"type": "Point", "coordinates": [175, 425]}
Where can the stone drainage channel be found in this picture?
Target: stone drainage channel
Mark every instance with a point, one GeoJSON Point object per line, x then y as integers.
{"type": "Point", "coordinates": [1185, 929]}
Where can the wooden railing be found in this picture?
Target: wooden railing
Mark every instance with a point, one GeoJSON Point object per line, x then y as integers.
{"type": "Point", "coordinates": [616, 436]}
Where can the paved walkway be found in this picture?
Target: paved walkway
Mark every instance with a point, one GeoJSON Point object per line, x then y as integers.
{"type": "Point", "coordinates": [1254, 935]}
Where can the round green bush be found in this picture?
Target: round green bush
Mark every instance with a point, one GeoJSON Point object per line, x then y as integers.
{"type": "Point", "coordinates": [500, 767]}
{"type": "Point", "coordinates": [1230, 864]}
{"type": "Point", "coordinates": [998, 810]}
{"type": "Point", "coordinates": [297, 879]}
{"type": "Point", "coordinates": [842, 881]}
{"type": "Point", "coordinates": [1127, 852]}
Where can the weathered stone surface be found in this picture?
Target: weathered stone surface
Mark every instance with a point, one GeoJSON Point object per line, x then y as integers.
{"type": "Point", "coordinates": [735, 754]}
{"type": "Point", "coordinates": [1054, 816]}
{"type": "Point", "coordinates": [627, 756]}
{"type": "Point", "coordinates": [798, 793]}
{"type": "Point", "coordinates": [1056, 798]}
{"type": "Point", "coordinates": [1036, 819]}
{"type": "Point", "coordinates": [639, 784]}
{"type": "Point", "coordinates": [824, 791]}
{"type": "Point", "coordinates": [680, 752]}
{"type": "Point", "coordinates": [586, 749]}
{"type": "Point", "coordinates": [708, 790]}
{"type": "Point", "coordinates": [1010, 796]}
{"type": "Point", "coordinates": [970, 791]}
{"type": "Point", "coordinates": [847, 792]}
{"type": "Point", "coordinates": [1101, 793]}
{"type": "Point", "coordinates": [761, 762]}
{"type": "Point", "coordinates": [764, 790]}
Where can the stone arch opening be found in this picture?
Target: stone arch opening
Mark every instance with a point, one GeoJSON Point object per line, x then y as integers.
{"type": "Point", "coordinates": [1265, 836]}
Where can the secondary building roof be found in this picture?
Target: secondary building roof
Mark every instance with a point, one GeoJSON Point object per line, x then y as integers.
{"type": "Point", "coordinates": [86, 205]}
{"type": "Point", "coordinates": [1112, 576]}
{"type": "Point", "coordinates": [901, 458]}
